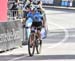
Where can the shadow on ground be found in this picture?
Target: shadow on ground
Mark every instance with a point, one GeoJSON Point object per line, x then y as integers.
{"type": "Point", "coordinates": [38, 57]}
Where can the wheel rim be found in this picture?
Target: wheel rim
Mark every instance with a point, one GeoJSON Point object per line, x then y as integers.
{"type": "Point", "coordinates": [31, 47]}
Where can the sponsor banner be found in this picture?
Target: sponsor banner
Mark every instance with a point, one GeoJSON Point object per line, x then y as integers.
{"type": "Point", "coordinates": [3, 27]}
{"type": "Point", "coordinates": [64, 0]}
{"type": "Point", "coordinates": [66, 3]}
{"type": "Point", "coordinates": [47, 1]}
{"type": "Point", "coordinates": [10, 35]}
{"type": "Point", "coordinates": [57, 2]}
{"type": "Point", "coordinates": [73, 4]}
{"type": "Point", "coordinates": [3, 10]}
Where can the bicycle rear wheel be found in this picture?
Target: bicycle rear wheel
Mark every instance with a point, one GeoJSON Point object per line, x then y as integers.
{"type": "Point", "coordinates": [38, 46]}
{"type": "Point", "coordinates": [31, 47]}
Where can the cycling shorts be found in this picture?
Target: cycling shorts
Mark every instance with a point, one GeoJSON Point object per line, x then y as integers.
{"type": "Point", "coordinates": [37, 24]}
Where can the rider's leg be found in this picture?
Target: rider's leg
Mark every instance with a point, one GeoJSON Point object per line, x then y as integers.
{"type": "Point", "coordinates": [39, 29]}
{"type": "Point", "coordinates": [39, 34]}
{"type": "Point", "coordinates": [32, 33]}
{"type": "Point", "coordinates": [32, 38]}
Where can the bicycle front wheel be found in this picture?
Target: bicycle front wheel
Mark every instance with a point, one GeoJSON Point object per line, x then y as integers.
{"type": "Point", "coordinates": [31, 46]}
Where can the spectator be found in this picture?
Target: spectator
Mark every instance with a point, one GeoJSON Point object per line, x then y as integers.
{"type": "Point", "coordinates": [14, 9]}
{"type": "Point", "coordinates": [39, 3]}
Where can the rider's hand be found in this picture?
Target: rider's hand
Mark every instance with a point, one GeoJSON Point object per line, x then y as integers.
{"type": "Point", "coordinates": [23, 20]}
{"type": "Point", "coordinates": [23, 26]}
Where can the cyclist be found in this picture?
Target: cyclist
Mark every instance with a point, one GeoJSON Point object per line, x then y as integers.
{"type": "Point", "coordinates": [37, 19]}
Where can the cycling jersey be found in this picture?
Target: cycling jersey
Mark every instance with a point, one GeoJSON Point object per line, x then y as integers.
{"type": "Point", "coordinates": [36, 16]}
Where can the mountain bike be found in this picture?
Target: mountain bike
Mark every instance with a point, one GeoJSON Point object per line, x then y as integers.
{"type": "Point", "coordinates": [34, 42]}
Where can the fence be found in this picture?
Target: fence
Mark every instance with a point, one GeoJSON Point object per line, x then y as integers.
{"type": "Point", "coordinates": [15, 14]}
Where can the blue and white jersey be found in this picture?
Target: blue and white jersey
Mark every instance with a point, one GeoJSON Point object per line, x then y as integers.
{"type": "Point", "coordinates": [36, 16]}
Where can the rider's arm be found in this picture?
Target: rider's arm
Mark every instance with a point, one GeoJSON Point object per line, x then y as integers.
{"type": "Point", "coordinates": [43, 22]}
{"type": "Point", "coordinates": [43, 19]}
{"type": "Point", "coordinates": [25, 19]}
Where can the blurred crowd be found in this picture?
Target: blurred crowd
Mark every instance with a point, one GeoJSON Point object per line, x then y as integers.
{"type": "Point", "coordinates": [19, 9]}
